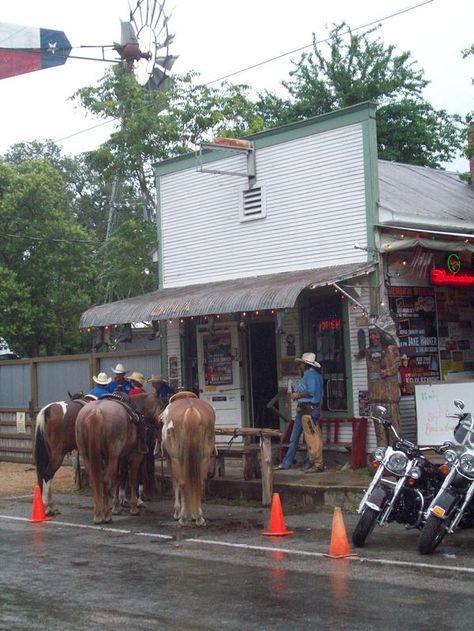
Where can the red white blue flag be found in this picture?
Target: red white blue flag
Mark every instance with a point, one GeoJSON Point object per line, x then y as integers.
{"type": "Point", "coordinates": [27, 49]}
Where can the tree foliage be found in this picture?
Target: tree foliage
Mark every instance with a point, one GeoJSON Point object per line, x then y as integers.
{"type": "Point", "coordinates": [47, 260]}
{"type": "Point", "coordinates": [357, 68]}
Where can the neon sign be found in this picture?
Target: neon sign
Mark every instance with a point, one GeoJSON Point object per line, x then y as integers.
{"type": "Point", "coordinates": [443, 277]}
{"type": "Point", "coordinates": [330, 325]}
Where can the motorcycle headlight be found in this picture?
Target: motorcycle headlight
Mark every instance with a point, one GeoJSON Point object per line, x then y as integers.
{"type": "Point", "coordinates": [379, 453]}
{"type": "Point", "coordinates": [450, 456]}
{"type": "Point", "coordinates": [466, 463]}
{"type": "Point", "coordinates": [397, 462]}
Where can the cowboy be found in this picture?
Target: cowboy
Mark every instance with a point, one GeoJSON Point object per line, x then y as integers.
{"type": "Point", "coordinates": [308, 394]}
{"type": "Point", "coordinates": [102, 385]}
{"type": "Point", "coordinates": [162, 389]}
{"type": "Point", "coordinates": [119, 382]}
{"type": "Point", "coordinates": [138, 382]}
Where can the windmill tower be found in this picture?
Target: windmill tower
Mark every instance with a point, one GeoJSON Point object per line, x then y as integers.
{"type": "Point", "coordinates": [144, 49]}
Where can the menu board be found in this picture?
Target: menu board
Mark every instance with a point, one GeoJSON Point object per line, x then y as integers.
{"type": "Point", "coordinates": [414, 310]}
{"type": "Point", "coordinates": [217, 358]}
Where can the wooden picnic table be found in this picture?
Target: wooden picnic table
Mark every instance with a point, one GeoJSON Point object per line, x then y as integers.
{"type": "Point", "coordinates": [249, 453]}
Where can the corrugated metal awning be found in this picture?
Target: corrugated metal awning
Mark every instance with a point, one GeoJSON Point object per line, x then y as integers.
{"type": "Point", "coordinates": [272, 291]}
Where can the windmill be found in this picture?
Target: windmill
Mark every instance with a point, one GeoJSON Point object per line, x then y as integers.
{"type": "Point", "coordinates": [143, 48]}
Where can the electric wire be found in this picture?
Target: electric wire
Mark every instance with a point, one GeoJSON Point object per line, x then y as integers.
{"type": "Point", "coordinates": [261, 63]}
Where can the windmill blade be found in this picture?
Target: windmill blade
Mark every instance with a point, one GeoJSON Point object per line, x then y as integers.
{"type": "Point", "coordinates": [127, 34]}
{"type": "Point", "coordinates": [167, 62]}
{"type": "Point", "coordinates": [158, 80]}
{"type": "Point", "coordinates": [28, 49]}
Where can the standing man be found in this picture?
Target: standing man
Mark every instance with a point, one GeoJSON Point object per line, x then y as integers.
{"type": "Point", "coordinates": [309, 394]}
{"type": "Point", "coordinates": [383, 362]}
{"type": "Point", "coordinates": [119, 382]}
{"type": "Point", "coordinates": [162, 389]}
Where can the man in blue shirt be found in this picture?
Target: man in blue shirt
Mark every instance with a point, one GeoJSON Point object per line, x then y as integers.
{"type": "Point", "coordinates": [309, 394]}
{"type": "Point", "coordinates": [119, 382]}
{"type": "Point", "coordinates": [102, 385]}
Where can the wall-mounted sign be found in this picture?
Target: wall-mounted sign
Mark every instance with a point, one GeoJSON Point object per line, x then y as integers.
{"type": "Point", "coordinates": [442, 277]}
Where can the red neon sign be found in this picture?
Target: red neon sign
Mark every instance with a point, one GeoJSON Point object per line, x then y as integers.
{"type": "Point", "coordinates": [442, 277]}
{"type": "Point", "coordinates": [330, 325]}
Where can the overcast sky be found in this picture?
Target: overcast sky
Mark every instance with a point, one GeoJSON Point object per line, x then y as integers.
{"type": "Point", "coordinates": [218, 37]}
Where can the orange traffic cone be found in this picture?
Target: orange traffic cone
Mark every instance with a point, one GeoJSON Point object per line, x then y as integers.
{"type": "Point", "coordinates": [37, 513]}
{"type": "Point", "coordinates": [276, 527]}
{"type": "Point", "coordinates": [339, 547]}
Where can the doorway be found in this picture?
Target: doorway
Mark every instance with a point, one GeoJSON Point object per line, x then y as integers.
{"type": "Point", "coordinates": [263, 373]}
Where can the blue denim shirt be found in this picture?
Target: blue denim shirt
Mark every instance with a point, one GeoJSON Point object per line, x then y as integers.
{"type": "Point", "coordinates": [312, 382]}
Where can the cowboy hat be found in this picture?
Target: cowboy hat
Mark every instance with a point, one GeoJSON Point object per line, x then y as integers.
{"type": "Point", "coordinates": [119, 369]}
{"type": "Point", "coordinates": [102, 379]}
{"type": "Point", "coordinates": [138, 377]}
{"type": "Point", "coordinates": [156, 379]}
{"type": "Point", "coordinates": [308, 358]}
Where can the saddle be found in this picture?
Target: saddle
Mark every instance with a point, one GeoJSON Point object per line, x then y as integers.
{"type": "Point", "coordinates": [135, 416]}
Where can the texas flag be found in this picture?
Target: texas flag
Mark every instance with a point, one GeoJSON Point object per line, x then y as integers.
{"type": "Point", "coordinates": [27, 49]}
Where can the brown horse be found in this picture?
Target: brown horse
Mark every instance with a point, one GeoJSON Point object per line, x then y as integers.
{"type": "Point", "coordinates": [188, 444]}
{"type": "Point", "coordinates": [54, 438]}
{"type": "Point", "coordinates": [105, 434]}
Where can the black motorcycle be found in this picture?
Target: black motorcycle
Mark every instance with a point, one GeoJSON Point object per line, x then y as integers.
{"type": "Point", "coordinates": [403, 486]}
{"type": "Point", "coordinates": [452, 506]}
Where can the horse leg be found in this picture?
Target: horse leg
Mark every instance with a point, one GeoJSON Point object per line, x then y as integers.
{"type": "Point", "coordinates": [134, 465]}
{"type": "Point", "coordinates": [200, 521]}
{"type": "Point", "coordinates": [120, 493]}
{"type": "Point", "coordinates": [110, 482]}
{"type": "Point", "coordinates": [50, 508]}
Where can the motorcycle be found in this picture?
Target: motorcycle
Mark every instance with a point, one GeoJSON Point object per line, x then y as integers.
{"type": "Point", "coordinates": [452, 506]}
{"type": "Point", "coordinates": [402, 497]}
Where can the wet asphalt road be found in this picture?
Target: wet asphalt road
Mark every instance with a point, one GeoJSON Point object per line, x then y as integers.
{"type": "Point", "coordinates": [148, 573]}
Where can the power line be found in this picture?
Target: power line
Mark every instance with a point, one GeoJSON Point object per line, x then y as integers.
{"type": "Point", "coordinates": [53, 239]}
{"type": "Point", "coordinates": [266, 61]}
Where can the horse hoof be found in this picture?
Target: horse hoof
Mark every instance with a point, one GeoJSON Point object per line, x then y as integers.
{"type": "Point", "coordinates": [134, 511]}
{"type": "Point", "coordinates": [182, 521]}
{"type": "Point", "coordinates": [200, 522]}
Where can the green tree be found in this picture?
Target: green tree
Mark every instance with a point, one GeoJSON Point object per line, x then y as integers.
{"type": "Point", "coordinates": [358, 68]}
{"type": "Point", "coordinates": [47, 258]}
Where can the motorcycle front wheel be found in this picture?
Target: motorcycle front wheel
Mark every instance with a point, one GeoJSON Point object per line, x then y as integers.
{"type": "Point", "coordinates": [364, 526]}
{"type": "Point", "coordinates": [432, 535]}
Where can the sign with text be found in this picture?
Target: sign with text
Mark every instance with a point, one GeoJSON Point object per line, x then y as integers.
{"type": "Point", "coordinates": [434, 403]}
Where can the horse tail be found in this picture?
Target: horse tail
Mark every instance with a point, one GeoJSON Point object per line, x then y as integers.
{"type": "Point", "coordinates": [41, 452]}
{"type": "Point", "coordinates": [93, 444]}
{"type": "Point", "coordinates": [192, 454]}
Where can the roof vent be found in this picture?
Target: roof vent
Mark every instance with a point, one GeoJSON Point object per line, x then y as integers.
{"type": "Point", "coordinates": [252, 204]}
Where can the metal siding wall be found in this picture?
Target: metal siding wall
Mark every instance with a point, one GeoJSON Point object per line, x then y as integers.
{"type": "Point", "coordinates": [408, 418]}
{"type": "Point", "coordinates": [56, 379]}
{"type": "Point", "coordinates": [15, 386]}
{"type": "Point", "coordinates": [315, 189]}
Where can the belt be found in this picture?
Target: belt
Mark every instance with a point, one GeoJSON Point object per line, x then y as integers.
{"type": "Point", "coordinates": [313, 405]}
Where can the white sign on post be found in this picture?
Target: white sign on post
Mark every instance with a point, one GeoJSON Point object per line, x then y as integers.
{"type": "Point", "coordinates": [433, 405]}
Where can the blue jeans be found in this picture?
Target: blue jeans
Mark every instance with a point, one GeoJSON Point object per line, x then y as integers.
{"type": "Point", "coordinates": [287, 461]}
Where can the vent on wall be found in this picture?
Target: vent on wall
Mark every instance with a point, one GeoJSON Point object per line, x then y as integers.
{"type": "Point", "coordinates": [252, 204]}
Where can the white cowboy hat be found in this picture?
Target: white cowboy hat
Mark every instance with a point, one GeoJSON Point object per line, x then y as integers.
{"type": "Point", "coordinates": [138, 377]}
{"type": "Point", "coordinates": [308, 358]}
{"type": "Point", "coordinates": [119, 369]}
{"type": "Point", "coordinates": [102, 379]}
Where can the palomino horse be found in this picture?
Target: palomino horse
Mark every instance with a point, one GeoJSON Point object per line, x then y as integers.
{"type": "Point", "coordinates": [54, 438]}
{"type": "Point", "coordinates": [105, 434]}
{"type": "Point", "coordinates": [188, 444]}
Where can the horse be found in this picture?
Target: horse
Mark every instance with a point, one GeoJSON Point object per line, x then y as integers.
{"type": "Point", "coordinates": [54, 438]}
{"type": "Point", "coordinates": [150, 407]}
{"type": "Point", "coordinates": [188, 444]}
{"type": "Point", "coordinates": [106, 434]}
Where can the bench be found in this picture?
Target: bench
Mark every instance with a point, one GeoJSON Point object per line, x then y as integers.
{"type": "Point", "coordinates": [249, 455]}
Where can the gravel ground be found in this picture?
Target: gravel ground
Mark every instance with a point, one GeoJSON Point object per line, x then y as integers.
{"type": "Point", "coordinates": [21, 478]}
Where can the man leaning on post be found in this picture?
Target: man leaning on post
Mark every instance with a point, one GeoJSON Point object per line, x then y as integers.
{"type": "Point", "coordinates": [308, 394]}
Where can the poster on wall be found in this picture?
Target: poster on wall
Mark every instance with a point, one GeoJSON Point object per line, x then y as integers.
{"type": "Point", "coordinates": [414, 309]}
{"type": "Point", "coordinates": [218, 358]}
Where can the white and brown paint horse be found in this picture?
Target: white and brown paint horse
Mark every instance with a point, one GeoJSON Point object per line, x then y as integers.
{"type": "Point", "coordinates": [188, 442]}
{"type": "Point", "coordinates": [55, 437]}
{"type": "Point", "coordinates": [107, 436]}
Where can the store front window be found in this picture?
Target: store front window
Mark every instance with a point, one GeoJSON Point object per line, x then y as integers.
{"type": "Point", "coordinates": [323, 335]}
